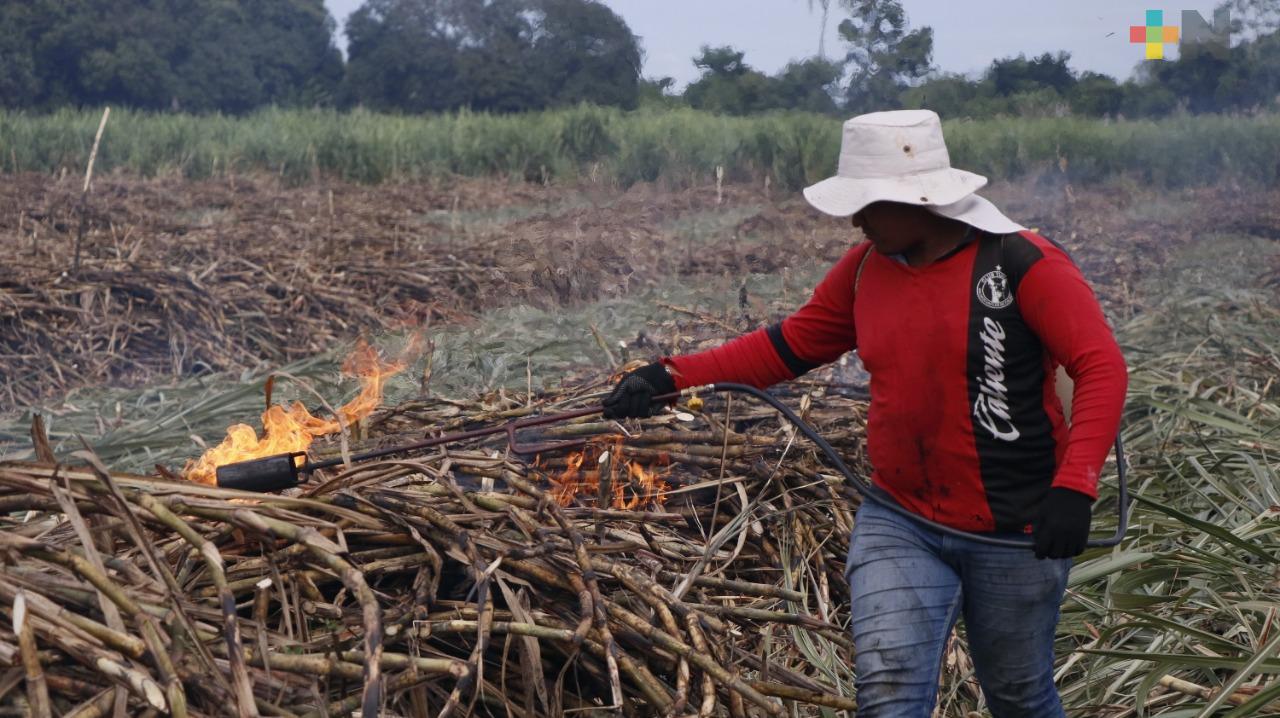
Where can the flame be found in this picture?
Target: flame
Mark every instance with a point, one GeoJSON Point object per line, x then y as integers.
{"type": "Point", "coordinates": [653, 490]}
{"type": "Point", "coordinates": [569, 483]}
{"type": "Point", "coordinates": [631, 485]}
{"type": "Point", "coordinates": [292, 429]}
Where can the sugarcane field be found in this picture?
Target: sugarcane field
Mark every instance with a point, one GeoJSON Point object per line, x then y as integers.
{"type": "Point", "coordinates": [448, 358]}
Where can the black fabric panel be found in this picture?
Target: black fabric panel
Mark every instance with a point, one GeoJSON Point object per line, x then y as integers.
{"type": "Point", "coordinates": [1058, 244]}
{"type": "Point", "coordinates": [1018, 255]}
{"type": "Point", "coordinates": [795, 364]}
{"type": "Point", "coordinates": [1005, 368]}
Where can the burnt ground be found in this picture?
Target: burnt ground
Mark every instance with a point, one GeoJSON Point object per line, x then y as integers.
{"type": "Point", "coordinates": [180, 278]}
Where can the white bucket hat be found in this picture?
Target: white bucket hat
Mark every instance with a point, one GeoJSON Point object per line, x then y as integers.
{"type": "Point", "coordinates": [900, 156]}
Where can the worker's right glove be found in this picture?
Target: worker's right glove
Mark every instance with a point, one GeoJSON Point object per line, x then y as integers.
{"type": "Point", "coordinates": [632, 398]}
{"type": "Point", "coordinates": [1062, 530]}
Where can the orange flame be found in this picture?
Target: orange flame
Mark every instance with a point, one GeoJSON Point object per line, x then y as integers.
{"type": "Point", "coordinates": [292, 429]}
{"type": "Point", "coordinates": [652, 489]}
{"type": "Point", "coordinates": [632, 488]}
{"type": "Point", "coordinates": [569, 483]}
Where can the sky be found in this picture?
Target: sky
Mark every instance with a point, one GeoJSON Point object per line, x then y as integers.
{"type": "Point", "coordinates": [967, 35]}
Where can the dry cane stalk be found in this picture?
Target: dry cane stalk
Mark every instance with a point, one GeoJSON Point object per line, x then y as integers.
{"type": "Point", "coordinates": [226, 600]}
{"type": "Point", "coordinates": [96, 707]}
{"type": "Point", "coordinates": [588, 577]}
{"type": "Point", "coordinates": [105, 663]}
{"type": "Point", "coordinates": [38, 605]}
{"type": "Point", "coordinates": [109, 611]}
{"type": "Point", "coordinates": [437, 529]}
{"type": "Point", "coordinates": [261, 604]}
{"type": "Point", "coordinates": [704, 662]}
{"type": "Point", "coordinates": [84, 193]}
{"type": "Point", "coordinates": [37, 689]}
{"type": "Point", "coordinates": [150, 630]}
{"type": "Point", "coordinates": [328, 554]}
{"type": "Point", "coordinates": [708, 706]}
{"type": "Point", "coordinates": [1199, 691]}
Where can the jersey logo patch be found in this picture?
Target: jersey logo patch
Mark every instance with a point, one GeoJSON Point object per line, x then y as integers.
{"type": "Point", "coordinates": [991, 408]}
{"type": "Point", "coordinates": [993, 289]}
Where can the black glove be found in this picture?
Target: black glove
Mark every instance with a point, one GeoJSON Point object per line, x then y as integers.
{"type": "Point", "coordinates": [1063, 526]}
{"type": "Point", "coordinates": [633, 396]}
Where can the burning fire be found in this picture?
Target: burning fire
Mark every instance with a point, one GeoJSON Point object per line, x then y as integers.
{"type": "Point", "coordinates": [631, 485]}
{"type": "Point", "coordinates": [291, 429]}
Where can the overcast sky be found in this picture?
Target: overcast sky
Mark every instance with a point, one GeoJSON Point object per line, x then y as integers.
{"type": "Point", "coordinates": [967, 35]}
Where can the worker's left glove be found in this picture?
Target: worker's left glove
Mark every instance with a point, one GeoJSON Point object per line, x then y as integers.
{"type": "Point", "coordinates": [632, 398]}
{"type": "Point", "coordinates": [1062, 528]}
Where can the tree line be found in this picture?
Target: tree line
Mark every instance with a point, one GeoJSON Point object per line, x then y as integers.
{"type": "Point", "coordinates": [887, 65]}
{"type": "Point", "coordinates": [235, 55]}
{"type": "Point", "coordinates": [416, 56]}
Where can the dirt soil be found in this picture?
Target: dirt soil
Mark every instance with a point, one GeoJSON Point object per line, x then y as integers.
{"type": "Point", "coordinates": [179, 278]}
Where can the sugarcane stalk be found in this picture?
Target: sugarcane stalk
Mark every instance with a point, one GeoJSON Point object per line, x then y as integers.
{"type": "Point", "coordinates": [588, 577]}
{"type": "Point", "coordinates": [704, 662]}
{"type": "Point", "coordinates": [96, 707]}
{"type": "Point", "coordinates": [781, 690]}
{"type": "Point", "coordinates": [745, 588]}
{"type": "Point", "coordinates": [40, 606]}
{"type": "Point", "coordinates": [699, 641]}
{"type": "Point", "coordinates": [37, 688]}
{"type": "Point", "coordinates": [420, 516]}
{"type": "Point", "coordinates": [226, 599]}
{"type": "Point", "coordinates": [327, 553]}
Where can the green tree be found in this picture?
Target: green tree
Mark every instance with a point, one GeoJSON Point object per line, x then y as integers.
{"type": "Point", "coordinates": [1095, 94]}
{"type": "Point", "coordinates": [723, 61]}
{"type": "Point", "coordinates": [229, 55]}
{"type": "Point", "coordinates": [728, 84]}
{"type": "Point", "coordinates": [1195, 77]}
{"type": "Point", "coordinates": [1252, 19]}
{"type": "Point", "coordinates": [1018, 74]}
{"type": "Point", "coordinates": [656, 92]}
{"type": "Point", "coordinates": [498, 68]}
{"type": "Point", "coordinates": [400, 55]}
{"type": "Point", "coordinates": [950, 95]}
{"type": "Point", "coordinates": [1212, 78]}
{"type": "Point", "coordinates": [807, 85]}
{"type": "Point", "coordinates": [1259, 70]}
{"type": "Point", "coordinates": [499, 55]}
{"type": "Point", "coordinates": [1146, 100]}
{"type": "Point", "coordinates": [883, 57]}
{"type": "Point", "coordinates": [587, 54]}
{"type": "Point", "coordinates": [20, 86]}
{"type": "Point", "coordinates": [69, 53]}
{"type": "Point", "coordinates": [1216, 77]}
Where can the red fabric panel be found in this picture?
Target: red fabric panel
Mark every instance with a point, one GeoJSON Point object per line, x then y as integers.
{"type": "Point", "coordinates": [1059, 306]}
{"type": "Point", "coordinates": [819, 332]}
{"type": "Point", "coordinates": [748, 359]}
{"type": "Point", "coordinates": [822, 330]}
{"type": "Point", "coordinates": [913, 325]}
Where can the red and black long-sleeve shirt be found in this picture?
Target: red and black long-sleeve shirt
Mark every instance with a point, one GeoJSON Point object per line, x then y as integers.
{"type": "Point", "coordinates": [964, 427]}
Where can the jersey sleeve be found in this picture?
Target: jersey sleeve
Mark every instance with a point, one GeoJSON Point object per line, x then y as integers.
{"type": "Point", "coordinates": [1062, 310]}
{"type": "Point", "coordinates": [817, 333]}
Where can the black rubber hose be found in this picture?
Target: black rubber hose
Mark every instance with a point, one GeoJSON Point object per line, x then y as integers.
{"type": "Point", "coordinates": [864, 489]}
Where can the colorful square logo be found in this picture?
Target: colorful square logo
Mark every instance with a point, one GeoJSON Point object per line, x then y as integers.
{"type": "Point", "coordinates": [1154, 34]}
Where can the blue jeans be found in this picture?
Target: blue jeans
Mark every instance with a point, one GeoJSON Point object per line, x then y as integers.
{"type": "Point", "coordinates": [909, 584]}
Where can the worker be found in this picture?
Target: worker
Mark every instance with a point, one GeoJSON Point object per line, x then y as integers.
{"type": "Point", "coordinates": [961, 317]}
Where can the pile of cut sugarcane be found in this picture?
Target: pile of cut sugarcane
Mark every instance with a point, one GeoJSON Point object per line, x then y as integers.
{"type": "Point", "coordinates": [467, 581]}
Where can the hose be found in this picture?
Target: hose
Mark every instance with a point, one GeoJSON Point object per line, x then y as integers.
{"type": "Point", "coordinates": [868, 494]}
